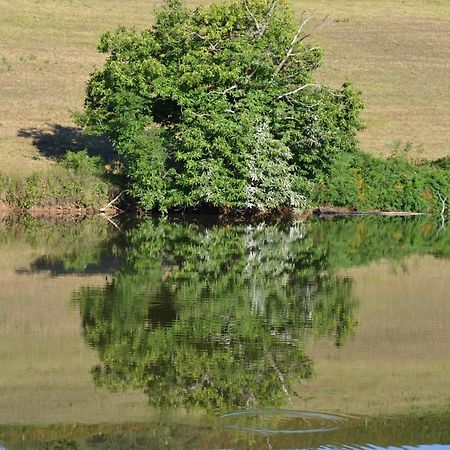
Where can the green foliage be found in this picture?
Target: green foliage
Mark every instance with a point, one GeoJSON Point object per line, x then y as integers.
{"type": "Point", "coordinates": [84, 164]}
{"type": "Point", "coordinates": [218, 106]}
{"type": "Point", "coordinates": [364, 182]}
{"type": "Point", "coordinates": [79, 181]}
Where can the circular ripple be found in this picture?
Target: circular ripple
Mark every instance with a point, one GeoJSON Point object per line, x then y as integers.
{"type": "Point", "coordinates": [282, 421]}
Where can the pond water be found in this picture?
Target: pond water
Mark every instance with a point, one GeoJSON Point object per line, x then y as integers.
{"type": "Point", "coordinates": [189, 334]}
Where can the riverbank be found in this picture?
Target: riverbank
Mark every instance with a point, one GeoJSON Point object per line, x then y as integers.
{"type": "Point", "coordinates": [79, 184]}
{"type": "Point", "coordinates": [357, 184]}
{"type": "Point", "coordinates": [38, 130]}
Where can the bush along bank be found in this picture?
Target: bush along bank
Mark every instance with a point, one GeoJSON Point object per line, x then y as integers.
{"type": "Point", "coordinates": [78, 183]}
{"type": "Point", "coordinates": [356, 182]}
{"type": "Point", "coordinates": [362, 182]}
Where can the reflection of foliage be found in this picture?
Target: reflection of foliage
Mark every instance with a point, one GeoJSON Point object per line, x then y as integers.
{"type": "Point", "coordinates": [352, 242]}
{"type": "Point", "coordinates": [161, 435]}
{"type": "Point", "coordinates": [73, 246]}
{"type": "Point", "coordinates": [381, 432]}
{"type": "Point", "coordinates": [214, 317]}
{"type": "Point", "coordinates": [218, 317]}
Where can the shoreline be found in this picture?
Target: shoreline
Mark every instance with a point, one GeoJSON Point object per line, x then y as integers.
{"type": "Point", "coordinates": [323, 212]}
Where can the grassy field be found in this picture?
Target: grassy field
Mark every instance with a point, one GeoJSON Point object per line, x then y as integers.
{"type": "Point", "coordinates": [397, 53]}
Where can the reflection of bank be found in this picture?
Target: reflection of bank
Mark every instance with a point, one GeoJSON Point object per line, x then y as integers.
{"type": "Point", "coordinates": [402, 432]}
{"type": "Point", "coordinates": [42, 331]}
{"type": "Point", "coordinates": [45, 363]}
{"type": "Point", "coordinates": [214, 317]}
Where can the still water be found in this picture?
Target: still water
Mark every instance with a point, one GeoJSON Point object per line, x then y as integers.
{"type": "Point", "coordinates": [187, 334]}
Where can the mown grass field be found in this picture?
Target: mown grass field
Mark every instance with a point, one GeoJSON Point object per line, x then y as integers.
{"type": "Point", "coordinates": [396, 52]}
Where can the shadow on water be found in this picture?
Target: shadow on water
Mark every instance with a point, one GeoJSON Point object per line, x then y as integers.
{"type": "Point", "coordinates": [56, 141]}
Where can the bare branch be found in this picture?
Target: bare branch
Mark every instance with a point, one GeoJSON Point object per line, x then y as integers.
{"type": "Point", "coordinates": [235, 86]}
{"type": "Point", "coordinates": [112, 202]}
{"type": "Point", "coordinates": [282, 380]}
{"type": "Point", "coordinates": [263, 28]}
{"type": "Point", "coordinates": [298, 37]}
{"type": "Point", "coordinates": [229, 89]}
{"type": "Point", "coordinates": [257, 24]}
{"type": "Point", "coordinates": [112, 222]}
{"type": "Point", "coordinates": [203, 38]}
{"type": "Point", "coordinates": [201, 115]}
{"type": "Point", "coordinates": [287, 94]}
{"type": "Point", "coordinates": [444, 207]}
{"type": "Point", "coordinates": [295, 40]}
{"type": "Point", "coordinates": [444, 203]}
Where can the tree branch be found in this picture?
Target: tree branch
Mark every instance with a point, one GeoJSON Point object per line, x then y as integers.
{"type": "Point", "coordinates": [112, 202]}
{"type": "Point", "coordinates": [263, 28]}
{"type": "Point", "coordinates": [287, 94]}
{"type": "Point", "coordinates": [229, 89]}
{"type": "Point", "coordinates": [282, 380]}
{"type": "Point", "coordinates": [299, 37]}
{"type": "Point", "coordinates": [444, 203]}
{"type": "Point", "coordinates": [257, 24]}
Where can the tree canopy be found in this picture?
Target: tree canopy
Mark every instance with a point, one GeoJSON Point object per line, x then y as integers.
{"type": "Point", "coordinates": [218, 106]}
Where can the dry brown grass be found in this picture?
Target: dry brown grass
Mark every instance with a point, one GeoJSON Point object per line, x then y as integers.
{"type": "Point", "coordinates": [398, 53]}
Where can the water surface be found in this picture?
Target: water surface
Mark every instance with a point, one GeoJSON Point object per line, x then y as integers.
{"type": "Point", "coordinates": [192, 334]}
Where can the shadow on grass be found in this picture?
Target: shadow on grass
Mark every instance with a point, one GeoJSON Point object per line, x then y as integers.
{"type": "Point", "coordinates": [56, 141]}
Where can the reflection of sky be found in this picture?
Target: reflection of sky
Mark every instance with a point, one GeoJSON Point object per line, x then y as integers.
{"type": "Point", "coordinates": [419, 447]}
{"type": "Point", "coordinates": [405, 447]}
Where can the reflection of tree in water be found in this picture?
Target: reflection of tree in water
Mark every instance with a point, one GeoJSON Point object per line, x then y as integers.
{"type": "Point", "coordinates": [74, 246]}
{"type": "Point", "coordinates": [214, 317]}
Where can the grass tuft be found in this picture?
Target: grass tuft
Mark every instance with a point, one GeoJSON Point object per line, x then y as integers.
{"type": "Point", "coordinates": [79, 182]}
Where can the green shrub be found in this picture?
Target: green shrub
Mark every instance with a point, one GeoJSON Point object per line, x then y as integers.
{"type": "Point", "coordinates": [361, 181]}
{"type": "Point", "coordinates": [218, 106]}
{"type": "Point", "coordinates": [81, 162]}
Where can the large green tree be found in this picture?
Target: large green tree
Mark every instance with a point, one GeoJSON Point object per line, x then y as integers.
{"type": "Point", "coordinates": [218, 106]}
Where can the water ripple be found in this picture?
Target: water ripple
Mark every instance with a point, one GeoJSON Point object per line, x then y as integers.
{"type": "Point", "coordinates": [283, 421]}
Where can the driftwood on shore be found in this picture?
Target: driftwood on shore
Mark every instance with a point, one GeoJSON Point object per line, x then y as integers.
{"type": "Point", "coordinates": [330, 212]}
